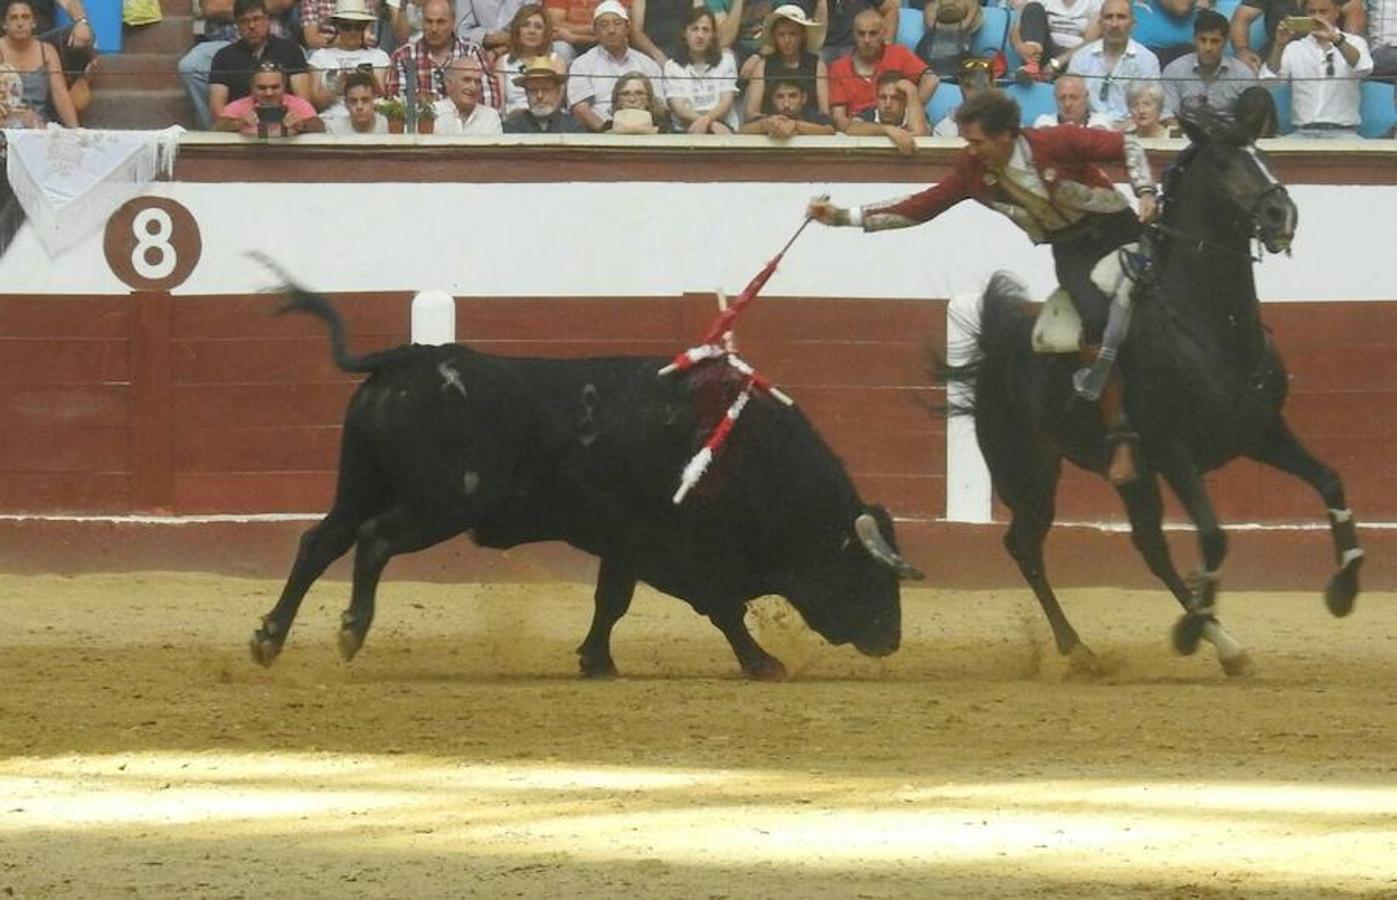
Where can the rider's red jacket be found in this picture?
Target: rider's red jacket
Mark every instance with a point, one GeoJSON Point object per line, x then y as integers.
{"type": "Point", "coordinates": [1060, 165]}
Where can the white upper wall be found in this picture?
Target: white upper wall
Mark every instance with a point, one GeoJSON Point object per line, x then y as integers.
{"type": "Point", "coordinates": [647, 239]}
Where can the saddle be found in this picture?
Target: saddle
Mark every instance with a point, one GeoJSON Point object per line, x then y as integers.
{"type": "Point", "coordinates": [1058, 328]}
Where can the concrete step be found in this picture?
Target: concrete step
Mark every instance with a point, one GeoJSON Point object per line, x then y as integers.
{"type": "Point", "coordinates": [173, 35]}
{"type": "Point", "coordinates": [136, 72]}
{"type": "Point", "coordinates": [158, 108]}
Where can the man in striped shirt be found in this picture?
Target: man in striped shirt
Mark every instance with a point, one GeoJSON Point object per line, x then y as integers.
{"type": "Point", "coordinates": [427, 60]}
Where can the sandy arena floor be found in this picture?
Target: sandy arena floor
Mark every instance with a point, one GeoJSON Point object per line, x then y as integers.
{"type": "Point", "coordinates": [143, 754]}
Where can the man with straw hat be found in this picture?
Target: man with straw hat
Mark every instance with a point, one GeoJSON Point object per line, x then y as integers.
{"type": "Point", "coordinates": [542, 80]}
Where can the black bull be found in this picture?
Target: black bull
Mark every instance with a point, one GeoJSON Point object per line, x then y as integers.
{"type": "Point", "coordinates": [441, 440]}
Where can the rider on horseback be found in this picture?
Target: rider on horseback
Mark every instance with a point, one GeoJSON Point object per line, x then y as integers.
{"type": "Point", "coordinates": [1048, 181]}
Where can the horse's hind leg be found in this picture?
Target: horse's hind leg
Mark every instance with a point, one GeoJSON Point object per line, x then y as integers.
{"type": "Point", "coordinates": [1178, 468]}
{"type": "Point", "coordinates": [1029, 493]}
{"type": "Point", "coordinates": [1146, 512]}
{"type": "Point", "coordinates": [1282, 450]}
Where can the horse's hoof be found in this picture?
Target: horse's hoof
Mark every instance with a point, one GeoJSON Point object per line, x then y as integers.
{"type": "Point", "coordinates": [1237, 665]}
{"type": "Point", "coordinates": [1080, 660]}
{"type": "Point", "coordinates": [594, 667]}
{"type": "Point", "coordinates": [768, 669]}
{"type": "Point", "coordinates": [1188, 631]}
{"type": "Point", "coordinates": [1342, 590]}
{"type": "Point", "coordinates": [265, 648]}
{"type": "Point", "coordinates": [350, 641]}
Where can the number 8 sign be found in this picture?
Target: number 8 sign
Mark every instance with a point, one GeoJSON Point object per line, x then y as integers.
{"type": "Point", "coordinates": [152, 243]}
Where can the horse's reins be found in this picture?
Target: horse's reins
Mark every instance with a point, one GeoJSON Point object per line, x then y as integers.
{"type": "Point", "coordinates": [1202, 244]}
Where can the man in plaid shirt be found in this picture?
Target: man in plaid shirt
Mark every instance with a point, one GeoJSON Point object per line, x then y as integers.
{"type": "Point", "coordinates": [433, 54]}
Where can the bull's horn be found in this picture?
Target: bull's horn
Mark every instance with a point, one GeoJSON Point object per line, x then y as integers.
{"type": "Point", "coordinates": [866, 527]}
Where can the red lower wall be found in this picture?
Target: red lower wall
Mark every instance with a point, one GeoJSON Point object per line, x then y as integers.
{"type": "Point", "coordinates": [194, 405]}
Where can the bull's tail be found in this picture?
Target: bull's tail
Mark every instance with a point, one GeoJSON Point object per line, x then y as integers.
{"type": "Point", "coordinates": [299, 299]}
{"type": "Point", "coordinates": [1002, 310]}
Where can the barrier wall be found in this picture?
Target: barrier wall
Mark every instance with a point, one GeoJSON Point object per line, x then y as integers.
{"type": "Point", "coordinates": [185, 397]}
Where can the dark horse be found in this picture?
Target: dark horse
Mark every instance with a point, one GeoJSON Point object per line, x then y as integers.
{"type": "Point", "coordinates": [1204, 385]}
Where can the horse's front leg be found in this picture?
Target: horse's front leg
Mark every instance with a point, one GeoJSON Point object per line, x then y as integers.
{"type": "Point", "coordinates": [1282, 450]}
{"type": "Point", "coordinates": [1146, 511]}
{"type": "Point", "coordinates": [1178, 468]}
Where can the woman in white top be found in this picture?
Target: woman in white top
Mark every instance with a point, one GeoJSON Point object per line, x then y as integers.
{"type": "Point", "coordinates": [530, 36]}
{"type": "Point", "coordinates": [347, 53]}
{"type": "Point", "coordinates": [701, 79]}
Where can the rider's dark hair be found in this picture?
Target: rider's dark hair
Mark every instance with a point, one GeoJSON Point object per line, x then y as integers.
{"type": "Point", "coordinates": [1210, 20]}
{"type": "Point", "coordinates": [994, 111]}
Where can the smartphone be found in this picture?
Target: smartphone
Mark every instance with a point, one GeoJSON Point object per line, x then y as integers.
{"type": "Point", "coordinates": [1299, 24]}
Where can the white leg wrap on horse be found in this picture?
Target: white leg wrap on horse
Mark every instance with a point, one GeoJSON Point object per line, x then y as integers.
{"type": "Point", "coordinates": [1226, 646]}
{"type": "Point", "coordinates": [1350, 555]}
{"type": "Point", "coordinates": [1340, 516]}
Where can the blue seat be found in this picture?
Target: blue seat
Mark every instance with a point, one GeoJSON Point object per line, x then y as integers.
{"type": "Point", "coordinates": [993, 34]}
{"type": "Point", "coordinates": [1256, 35]}
{"type": "Point", "coordinates": [1157, 29]}
{"type": "Point", "coordinates": [1376, 109]}
{"type": "Point", "coordinates": [1280, 92]}
{"type": "Point", "coordinates": [1227, 7]}
{"type": "Point", "coordinates": [1034, 100]}
{"type": "Point", "coordinates": [946, 98]}
{"type": "Point", "coordinates": [910, 27]}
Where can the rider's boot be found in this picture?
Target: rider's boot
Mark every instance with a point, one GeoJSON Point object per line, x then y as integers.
{"type": "Point", "coordinates": [1090, 381]}
{"type": "Point", "coordinates": [1120, 437]}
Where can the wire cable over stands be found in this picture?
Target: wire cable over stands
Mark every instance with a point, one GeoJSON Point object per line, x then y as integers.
{"type": "Point", "coordinates": [719, 345]}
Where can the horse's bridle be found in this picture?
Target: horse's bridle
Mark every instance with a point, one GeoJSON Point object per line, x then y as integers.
{"type": "Point", "coordinates": [1200, 245]}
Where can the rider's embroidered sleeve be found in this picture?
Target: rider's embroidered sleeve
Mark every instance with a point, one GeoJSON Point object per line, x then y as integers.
{"type": "Point", "coordinates": [915, 209]}
{"type": "Point", "coordinates": [1137, 165]}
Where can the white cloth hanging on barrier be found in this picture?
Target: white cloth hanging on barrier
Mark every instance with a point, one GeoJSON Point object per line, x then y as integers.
{"type": "Point", "coordinates": [70, 180]}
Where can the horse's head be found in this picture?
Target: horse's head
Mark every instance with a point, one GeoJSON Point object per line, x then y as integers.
{"type": "Point", "coordinates": [1238, 183]}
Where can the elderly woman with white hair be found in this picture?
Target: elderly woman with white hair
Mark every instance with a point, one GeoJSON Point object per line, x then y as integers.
{"type": "Point", "coordinates": [1145, 100]}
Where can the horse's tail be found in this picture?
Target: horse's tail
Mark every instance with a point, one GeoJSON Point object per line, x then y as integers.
{"type": "Point", "coordinates": [1001, 306]}
{"type": "Point", "coordinates": [300, 299]}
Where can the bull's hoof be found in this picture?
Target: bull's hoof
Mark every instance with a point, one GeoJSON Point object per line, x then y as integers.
{"type": "Point", "coordinates": [766, 669]}
{"type": "Point", "coordinates": [1188, 631]}
{"type": "Point", "coordinates": [1081, 661]}
{"type": "Point", "coordinates": [1343, 588]}
{"type": "Point", "coordinates": [265, 648]}
{"type": "Point", "coordinates": [596, 667]}
{"type": "Point", "coordinates": [350, 641]}
{"type": "Point", "coordinates": [1237, 666]}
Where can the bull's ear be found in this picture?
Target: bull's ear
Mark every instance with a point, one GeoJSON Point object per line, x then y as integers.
{"type": "Point", "coordinates": [881, 549]}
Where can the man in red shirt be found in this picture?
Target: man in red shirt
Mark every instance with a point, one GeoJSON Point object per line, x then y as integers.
{"type": "Point", "coordinates": [853, 79]}
{"type": "Point", "coordinates": [1049, 182]}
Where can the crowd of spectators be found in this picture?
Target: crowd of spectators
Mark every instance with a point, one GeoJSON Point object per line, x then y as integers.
{"type": "Point", "coordinates": [718, 66]}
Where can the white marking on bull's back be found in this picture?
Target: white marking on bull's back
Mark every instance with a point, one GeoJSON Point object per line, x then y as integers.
{"type": "Point", "coordinates": [451, 378]}
{"type": "Point", "coordinates": [470, 482]}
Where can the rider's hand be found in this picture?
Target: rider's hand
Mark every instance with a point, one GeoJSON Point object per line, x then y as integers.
{"type": "Point", "coordinates": [821, 210]}
{"type": "Point", "coordinates": [1148, 208]}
